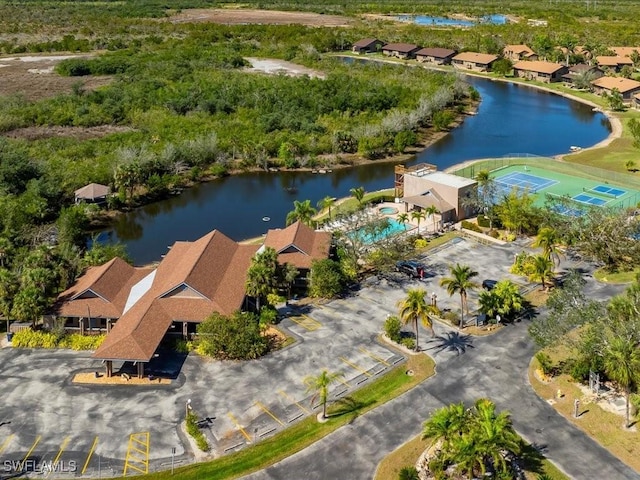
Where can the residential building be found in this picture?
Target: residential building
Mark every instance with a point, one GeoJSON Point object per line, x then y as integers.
{"type": "Point", "coordinates": [515, 53]}
{"type": "Point", "coordinates": [400, 50]}
{"type": "Point", "coordinates": [613, 63]}
{"type": "Point", "coordinates": [436, 56]}
{"type": "Point", "coordinates": [367, 45]}
{"type": "Point", "coordinates": [627, 87]}
{"type": "Point", "coordinates": [546, 72]}
{"type": "Point", "coordinates": [593, 71]}
{"type": "Point", "coordinates": [477, 62]}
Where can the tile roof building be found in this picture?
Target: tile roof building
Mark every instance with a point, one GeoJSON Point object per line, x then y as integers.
{"type": "Point", "coordinates": [541, 71]}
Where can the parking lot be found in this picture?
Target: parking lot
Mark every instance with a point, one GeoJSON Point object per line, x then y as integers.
{"type": "Point", "coordinates": [125, 429]}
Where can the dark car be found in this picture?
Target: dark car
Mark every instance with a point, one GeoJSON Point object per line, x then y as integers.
{"type": "Point", "coordinates": [411, 268]}
{"type": "Point", "coordinates": [489, 284]}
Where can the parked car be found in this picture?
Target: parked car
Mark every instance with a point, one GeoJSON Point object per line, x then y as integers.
{"type": "Point", "coordinates": [489, 284]}
{"type": "Point", "coordinates": [411, 268]}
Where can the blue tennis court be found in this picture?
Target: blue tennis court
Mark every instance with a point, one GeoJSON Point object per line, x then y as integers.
{"type": "Point", "coordinates": [611, 191]}
{"type": "Point", "coordinates": [524, 181]}
{"type": "Point", "coordinates": [589, 200]}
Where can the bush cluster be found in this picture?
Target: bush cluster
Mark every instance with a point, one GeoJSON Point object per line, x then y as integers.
{"type": "Point", "coordinates": [40, 339]}
{"type": "Point", "coordinates": [471, 226]}
{"type": "Point", "coordinates": [392, 329]}
{"type": "Point", "coordinates": [195, 432]}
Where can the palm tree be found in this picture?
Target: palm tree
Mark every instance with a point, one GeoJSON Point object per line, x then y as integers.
{"type": "Point", "coordinates": [319, 386]}
{"type": "Point", "coordinates": [460, 282]}
{"type": "Point", "coordinates": [541, 270]}
{"type": "Point", "coordinates": [446, 424]}
{"type": "Point", "coordinates": [418, 215]}
{"type": "Point", "coordinates": [8, 289]}
{"type": "Point", "coordinates": [289, 274]}
{"type": "Point", "coordinates": [622, 365]}
{"type": "Point", "coordinates": [547, 240]}
{"type": "Point", "coordinates": [262, 275]}
{"type": "Point", "coordinates": [495, 435]}
{"type": "Point", "coordinates": [302, 211]}
{"type": "Point", "coordinates": [431, 212]}
{"type": "Point", "coordinates": [487, 185]}
{"type": "Point", "coordinates": [413, 308]}
{"type": "Point", "coordinates": [404, 218]}
{"type": "Point", "coordinates": [326, 202]}
{"type": "Point", "coordinates": [489, 303]}
{"type": "Point", "coordinates": [358, 194]}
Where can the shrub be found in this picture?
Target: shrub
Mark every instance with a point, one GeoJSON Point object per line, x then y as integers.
{"type": "Point", "coordinates": [408, 473]}
{"type": "Point", "coordinates": [408, 342]}
{"type": "Point", "coordinates": [235, 337]}
{"type": "Point", "coordinates": [493, 233]}
{"type": "Point", "coordinates": [34, 339]}
{"type": "Point", "coordinates": [451, 317]}
{"type": "Point", "coordinates": [392, 328]}
{"type": "Point", "coordinates": [194, 431]}
{"type": "Point", "coordinates": [421, 243]}
{"type": "Point", "coordinates": [75, 341]}
{"type": "Point", "coordinates": [471, 226]}
{"type": "Point", "coordinates": [546, 365]}
{"type": "Point", "coordinates": [183, 346]}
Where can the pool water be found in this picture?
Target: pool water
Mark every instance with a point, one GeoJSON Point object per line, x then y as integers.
{"type": "Point", "coordinates": [393, 228]}
{"type": "Point", "coordinates": [388, 210]}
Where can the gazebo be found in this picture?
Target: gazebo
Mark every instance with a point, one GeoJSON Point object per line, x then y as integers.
{"type": "Point", "coordinates": [92, 193]}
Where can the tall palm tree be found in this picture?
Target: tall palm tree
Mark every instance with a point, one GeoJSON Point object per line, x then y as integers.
{"type": "Point", "coordinates": [622, 365]}
{"type": "Point", "coordinates": [541, 270]}
{"type": "Point", "coordinates": [358, 194]}
{"type": "Point", "coordinates": [302, 211]}
{"type": "Point", "coordinates": [431, 212]}
{"type": "Point", "coordinates": [414, 308]}
{"type": "Point", "coordinates": [460, 282]}
{"type": "Point", "coordinates": [495, 434]}
{"type": "Point", "coordinates": [404, 218]}
{"type": "Point", "coordinates": [319, 386]}
{"type": "Point", "coordinates": [418, 215]}
{"type": "Point", "coordinates": [547, 239]}
{"type": "Point", "coordinates": [326, 203]}
{"type": "Point", "coordinates": [446, 423]}
{"type": "Point", "coordinates": [289, 274]}
{"type": "Point", "coordinates": [487, 187]}
{"type": "Point", "coordinates": [8, 289]}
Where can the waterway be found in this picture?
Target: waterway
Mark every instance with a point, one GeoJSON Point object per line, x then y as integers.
{"type": "Point", "coordinates": [510, 119]}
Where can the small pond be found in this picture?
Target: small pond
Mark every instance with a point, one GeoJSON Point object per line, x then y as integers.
{"type": "Point", "coordinates": [452, 22]}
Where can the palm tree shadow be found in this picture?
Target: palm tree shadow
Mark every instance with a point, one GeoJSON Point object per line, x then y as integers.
{"type": "Point", "coordinates": [450, 342]}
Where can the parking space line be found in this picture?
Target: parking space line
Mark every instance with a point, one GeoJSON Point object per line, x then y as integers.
{"type": "Point", "coordinates": [6, 442]}
{"type": "Point", "coordinates": [355, 367]}
{"type": "Point", "coordinates": [306, 322]}
{"type": "Point", "coordinates": [300, 323]}
{"type": "Point", "coordinates": [373, 355]}
{"type": "Point", "coordinates": [33, 447]}
{"type": "Point", "coordinates": [240, 428]}
{"type": "Point", "coordinates": [136, 439]}
{"type": "Point", "coordinates": [62, 447]}
{"type": "Point", "coordinates": [93, 447]}
{"type": "Point", "coordinates": [281, 392]}
{"type": "Point", "coordinates": [343, 382]}
{"type": "Point", "coordinates": [266, 410]}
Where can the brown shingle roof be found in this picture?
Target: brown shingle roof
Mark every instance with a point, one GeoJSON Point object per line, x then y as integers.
{"type": "Point", "coordinates": [622, 84]}
{"type": "Point", "coordinates": [538, 67]}
{"type": "Point", "coordinates": [365, 42]}
{"type": "Point", "coordinates": [299, 244]}
{"type": "Point", "coordinates": [624, 51]}
{"type": "Point", "coordinates": [92, 191]}
{"type": "Point", "coordinates": [613, 61]}
{"type": "Point", "coordinates": [400, 47]}
{"type": "Point", "coordinates": [479, 58]}
{"type": "Point", "coordinates": [519, 49]}
{"type": "Point", "coordinates": [436, 52]}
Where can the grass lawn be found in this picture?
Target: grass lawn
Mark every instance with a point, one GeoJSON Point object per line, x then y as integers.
{"type": "Point", "coordinates": [618, 277]}
{"type": "Point", "coordinates": [308, 431]}
{"type": "Point", "coordinates": [388, 469]}
{"type": "Point", "coordinates": [603, 426]}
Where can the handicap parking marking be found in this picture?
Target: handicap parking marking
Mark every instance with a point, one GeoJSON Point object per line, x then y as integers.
{"type": "Point", "coordinates": [239, 427]}
{"type": "Point", "coordinates": [91, 450]}
{"type": "Point", "coordinates": [355, 367]}
{"type": "Point", "coordinates": [268, 412]}
{"type": "Point", "coordinates": [138, 445]}
{"type": "Point", "coordinates": [292, 400]}
{"type": "Point", "coordinates": [6, 443]}
{"type": "Point", "coordinates": [374, 356]}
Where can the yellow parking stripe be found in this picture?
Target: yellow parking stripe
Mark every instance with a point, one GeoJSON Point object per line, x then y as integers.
{"type": "Point", "coordinates": [137, 440]}
{"type": "Point", "coordinates": [6, 443]}
{"type": "Point", "coordinates": [62, 447]}
{"type": "Point", "coordinates": [354, 366]}
{"type": "Point", "coordinates": [33, 447]}
{"type": "Point", "coordinates": [266, 410]}
{"type": "Point", "coordinates": [290, 399]}
{"type": "Point", "coordinates": [374, 356]}
{"type": "Point", "coordinates": [306, 322]}
{"type": "Point", "coordinates": [343, 382]}
{"type": "Point", "coordinates": [242, 430]}
{"type": "Point", "coordinates": [93, 447]}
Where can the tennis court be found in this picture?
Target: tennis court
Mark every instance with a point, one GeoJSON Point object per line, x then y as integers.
{"type": "Point", "coordinates": [580, 192]}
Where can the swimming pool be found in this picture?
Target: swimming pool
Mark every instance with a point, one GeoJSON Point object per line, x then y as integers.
{"type": "Point", "coordinates": [388, 210]}
{"type": "Point", "coordinates": [369, 236]}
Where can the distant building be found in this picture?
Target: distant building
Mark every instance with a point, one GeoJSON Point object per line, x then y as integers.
{"type": "Point", "coordinates": [546, 72]}
{"type": "Point", "coordinates": [436, 56]}
{"type": "Point", "coordinates": [625, 51]}
{"type": "Point", "coordinates": [477, 62]}
{"type": "Point", "coordinates": [367, 45]}
{"type": "Point", "coordinates": [400, 50]}
{"type": "Point", "coordinates": [515, 53]}
{"type": "Point", "coordinates": [581, 69]}
{"type": "Point", "coordinates": [613, 63]}
{"type": "Point", "coordinates": [92, 193]}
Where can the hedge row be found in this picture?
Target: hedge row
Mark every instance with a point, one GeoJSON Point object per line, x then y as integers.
{"type": "Point", "coordinates": [40, 339]}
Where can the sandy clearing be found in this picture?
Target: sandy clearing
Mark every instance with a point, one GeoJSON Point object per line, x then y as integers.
{"type": "Point", "coordinates": [275, 66]}
{"type": "Point", "coordinates": [242, 16]}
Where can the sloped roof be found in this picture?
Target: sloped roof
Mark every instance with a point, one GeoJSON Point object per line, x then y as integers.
{"type": "Point", "coordinates": [613, 61]}
{"type": "Point", "coordinates": [622, 84]}
{"type": "Point", "coordinates": [401, 47]}
{"type": "Point", "coordinates": [519, 49]}
{"type": "Point", "coordinates": [624, 51]}
{"type": "Point", "coordinates": [582, 67]}
{"type": "Point", "coordinates": [436, 52]}
{"type": "Point", "coordinates": [428, 199]}
{"type": "Point", "coordinates": [365, 42]}
{"type": "Point", "coordinates": [298, 244]}
{"type": "Point", "coordinates": [101, 292]}
{"type": "Point", "coordinates": [479, 58]}
{"type": "Point", "coordinates": [538, 67]}
{"type": "Point", "coordinates": [92, 191]}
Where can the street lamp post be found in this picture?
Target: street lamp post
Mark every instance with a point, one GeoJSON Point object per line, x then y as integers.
{"type": "Point", "coordinates": [187, 407]}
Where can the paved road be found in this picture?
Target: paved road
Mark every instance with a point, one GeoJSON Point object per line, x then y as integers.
{"type": "Point", "coordinates": [467, 368]}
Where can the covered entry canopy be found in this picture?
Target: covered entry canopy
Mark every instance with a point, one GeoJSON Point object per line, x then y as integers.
{"type": "Point", "coordinates": [429, 199]}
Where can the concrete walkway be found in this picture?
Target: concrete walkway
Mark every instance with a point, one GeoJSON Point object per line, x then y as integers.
{"type": "Point", "coordinates": [467, 369]}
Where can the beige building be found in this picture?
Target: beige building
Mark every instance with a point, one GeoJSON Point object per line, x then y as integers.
{"type": "Point", "coordinates": [515, 53]}
{"type": "Point", "coordinates": [627, 87]}
{"type": "Point", "coordinates": [478, 62]}
{"type": "Point", "coordinates": [546, 72]}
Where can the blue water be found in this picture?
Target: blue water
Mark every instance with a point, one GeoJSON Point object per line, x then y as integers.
{"type": "Point", "coordinates": [393, 228]}
{"type": "Point", "coordinates": [452, 22]}
{"type": "Point", "coordinates": [510, 119]}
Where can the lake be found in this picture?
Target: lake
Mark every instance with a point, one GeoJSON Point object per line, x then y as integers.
{"type": "Point", "coordinates": [510, 119]}
{"type": "Point", "coordinates": [452, 22]}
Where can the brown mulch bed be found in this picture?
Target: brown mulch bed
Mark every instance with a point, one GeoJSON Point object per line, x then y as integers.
{"type": "Point", "coordinates": [117, 379]}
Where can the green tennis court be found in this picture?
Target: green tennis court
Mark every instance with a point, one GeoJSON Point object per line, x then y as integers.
{"type": "Point", "coordinates": [584, 191]}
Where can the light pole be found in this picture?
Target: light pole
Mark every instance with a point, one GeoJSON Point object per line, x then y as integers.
{"type": "Point", "coordinates": [173, 454]}
{"type": "Point", "coordinates": [187, 407]}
